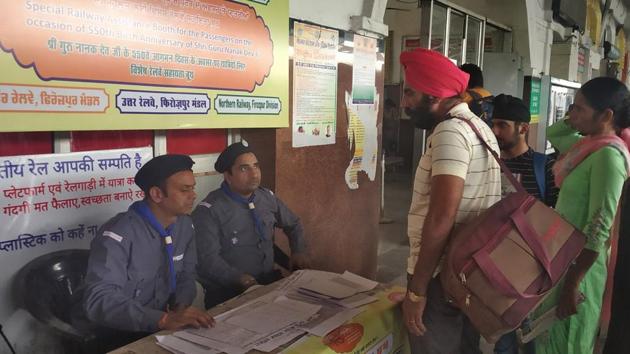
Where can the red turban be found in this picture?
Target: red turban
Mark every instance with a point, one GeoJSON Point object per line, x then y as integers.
{"type": "Point", "coordinates": [432, 73]}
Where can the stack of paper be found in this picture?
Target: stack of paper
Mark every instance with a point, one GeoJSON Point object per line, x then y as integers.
{"type": "Point", "coordinates": [309, 301]}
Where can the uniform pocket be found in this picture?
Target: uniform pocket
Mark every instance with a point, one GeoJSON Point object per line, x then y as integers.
{"type": "Point", "coordinates": [142, 287]}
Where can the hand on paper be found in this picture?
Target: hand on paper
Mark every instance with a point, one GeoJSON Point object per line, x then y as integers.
{"type": "Point", "coordinates": [300, 261]}
{"type": "Point", "coordinates": [189, 316]}
{"type": "Point", "coordinates": [569, 300]}
{"type": "Point", "coordinates": [412, 315]}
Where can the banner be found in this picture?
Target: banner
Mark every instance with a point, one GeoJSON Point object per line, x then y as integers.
{"type": "Point", "coordinates": [62, 198]}
{"type": "Point", "coordinates": [155, 64]}
{"type": "Point", "coordinates": [58, 201]}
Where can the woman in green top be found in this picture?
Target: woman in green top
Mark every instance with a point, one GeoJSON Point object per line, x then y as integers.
{"type": "Point", "coordinates": [590, 174]}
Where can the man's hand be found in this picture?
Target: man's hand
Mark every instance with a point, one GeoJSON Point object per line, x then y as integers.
{"type": "Point", "coordinates": [300, 261]}
{"type": "Point", "coordinates": [569, 300]}
{"type": "Point", "coordinates": [189, 316]}
{"type": "Point", "coordinates": [247, 281]}
{"type": "Point", "coordinates": [412, 314]}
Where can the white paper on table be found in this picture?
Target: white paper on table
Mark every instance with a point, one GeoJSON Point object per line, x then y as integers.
{"type": "Point", "coordinates": [279, 338]}
{"type": "Point", "coordinates": [304, 276]}
{"type": "Point", "coordinates": [356, 300]}
{"type": "Point", "coordinates": [228, 334]}
{"type": "Point", "coordinates": [213, 344]}
{"type": "Point", "coordinates": [339, 286]}
{"type": "Point", "coordinates": [248, 306]}
{"type": "Point", "coordinates": [321, 326]}
{"type": "Point", "coordinates": [364, 284]}
{"type": "Point", "coordinates": [179, 345]}
{"type": "Point", "coordinates": [271, 317]}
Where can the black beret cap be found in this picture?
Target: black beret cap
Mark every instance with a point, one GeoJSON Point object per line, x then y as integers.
{"type": "Point", "coordinates": [159, 168]}
{"type": "Point", "coordinates": [510, 108]}
{"type": "Point", "coordinates": [229, 155]}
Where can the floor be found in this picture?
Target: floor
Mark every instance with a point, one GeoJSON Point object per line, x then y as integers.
{"type": "Point", "coordinates": [393, 246]}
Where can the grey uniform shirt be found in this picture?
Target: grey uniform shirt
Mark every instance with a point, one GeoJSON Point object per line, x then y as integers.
{"type": "Point", "coordinates": [127, 280]}
{"type": "Point", "coordinates": [227, 242]}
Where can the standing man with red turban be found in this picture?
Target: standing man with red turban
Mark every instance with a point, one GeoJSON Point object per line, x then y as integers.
{"type": "Point", "coordinates": [456, 179]}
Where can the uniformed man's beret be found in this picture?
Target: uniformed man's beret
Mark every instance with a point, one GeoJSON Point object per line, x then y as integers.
{"type": "Point", "coordinates": [159, 168]}
{"type": "Point", "coordinates": [229, 155]}
{"type": "Point", "coordinates": [510, 108]}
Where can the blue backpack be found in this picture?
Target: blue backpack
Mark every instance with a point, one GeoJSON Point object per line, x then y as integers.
{"type": "Point", "coordinates": [481, 106]}
{"type": "Point", "coordinates": [540, 162]}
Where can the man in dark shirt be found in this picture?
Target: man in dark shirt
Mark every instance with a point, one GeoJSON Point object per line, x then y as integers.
{"type": "Point", "coordinates": [510, 125]}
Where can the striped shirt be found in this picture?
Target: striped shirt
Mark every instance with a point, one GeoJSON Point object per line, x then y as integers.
{"type": "Point", "coordinates": [454, 149]}
{"type": "Point", "coordinates": [522, 167]}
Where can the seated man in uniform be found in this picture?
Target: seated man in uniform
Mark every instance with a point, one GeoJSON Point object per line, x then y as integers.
{"type": "Point", "coordinates": [234, 228]}
{"type": "Point", "coordinates": [141, 269]}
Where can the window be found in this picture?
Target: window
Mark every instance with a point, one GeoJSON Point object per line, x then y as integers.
{"type": "Point", "coordinates": [456, 36]}
{"type": "Point", "coordinates": [473, 37]}
{"type": "Point", "coordinates": [438, 28]}
{"type": "Point", "coordinates": [454, 32]}
{"type": "Point", "coordinates": [496, 40]}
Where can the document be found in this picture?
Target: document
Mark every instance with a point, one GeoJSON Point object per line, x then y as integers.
{"type": "Point", "coordinates": [211, 343]}
{"type": "Point", "coordinates": [357, 300]}
{"type": "Point", "coordinates": [279, 338]}
{"type": "Point", "coordinates": [267, 318]}
{"type": "Point", "coordinates": [177, 346]}
{"type": "Point", "coordinates": [228, 334]}
{"type": "Point", "coordinates": [339, 286]}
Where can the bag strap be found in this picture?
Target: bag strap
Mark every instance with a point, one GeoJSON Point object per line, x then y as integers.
{"type": "Point", "coordinates": [540, 161]}
{"type": "Point", "coordinates": [506, 171]}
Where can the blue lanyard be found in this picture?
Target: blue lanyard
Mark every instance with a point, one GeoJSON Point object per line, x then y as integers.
{"type": "Point", "coordinates": [249, 202]}
{"type": "Point", "coordinates": [142, 208]}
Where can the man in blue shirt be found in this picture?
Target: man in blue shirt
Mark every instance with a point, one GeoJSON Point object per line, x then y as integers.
{"type": "Point", "coordinates": [235, 229]}
{"type": "Point", "coordinates": [141, 268]}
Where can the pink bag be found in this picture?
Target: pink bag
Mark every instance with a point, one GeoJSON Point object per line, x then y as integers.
{"type": "Point", "coordinates": [501, 265]}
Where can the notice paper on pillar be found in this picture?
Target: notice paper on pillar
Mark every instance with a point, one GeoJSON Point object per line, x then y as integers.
{"type": "Point", "coordinates": [314, 85]}
{"type": "Point", "coordinates": [362, 140]}
{"type": "Point", "coordinates": [55, 201]}
{"type": "Point", "coordinates": [364, 70]}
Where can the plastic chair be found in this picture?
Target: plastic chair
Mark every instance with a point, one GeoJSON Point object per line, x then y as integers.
{"type": "Point", "coordinates": [46, 287]}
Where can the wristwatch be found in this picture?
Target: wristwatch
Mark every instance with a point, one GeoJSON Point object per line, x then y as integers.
{"type": "Point", "coordinates": [413, 297]}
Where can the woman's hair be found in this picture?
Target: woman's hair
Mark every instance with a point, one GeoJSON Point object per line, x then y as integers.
{"type": "Point", "coordinates": [603, 93]}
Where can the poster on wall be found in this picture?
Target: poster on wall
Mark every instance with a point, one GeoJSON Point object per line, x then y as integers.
{"type": "Point", "coordinates": [153, 64]}
{"type": "Point", "coordinates": [58, 201]}
{"type": "Point", "coordinates": [364, 70]}
{"type": "Point", "coordinates": [314, 85]}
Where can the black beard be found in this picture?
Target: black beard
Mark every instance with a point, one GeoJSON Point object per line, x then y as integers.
{"type": "Point", "coordinates": [421, 118]}
{"type": "Point", "coordinates": [506, 145]}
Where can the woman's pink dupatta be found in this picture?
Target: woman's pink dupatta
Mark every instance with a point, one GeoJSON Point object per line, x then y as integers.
{"type": "Point", "coordinates": [586, 146]}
